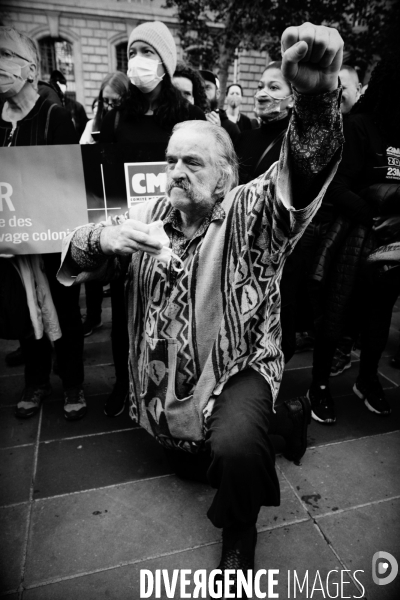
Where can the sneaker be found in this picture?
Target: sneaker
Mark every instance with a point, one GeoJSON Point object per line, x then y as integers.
{"type": "Point", "coordinates": [322, 405]}
{"type": "Point", "coordinates": [373, 395]}
{"type": "Point", "coordinates": [341, 362]}
{"type": "Point", "coordinates": [89, 326]}
{"type": "Point", "coordinates": [300, 414]}
{"type": "Point", "coordinates": [74, 404]}
{"type": "Point", "coordinates": [31, 400]}
{"type": "Point", "coordinates": [304, 342]}
{"type": "Point", "coordinates": [15, 358]}
{"type": "Point", "coordinates": [115, 403]}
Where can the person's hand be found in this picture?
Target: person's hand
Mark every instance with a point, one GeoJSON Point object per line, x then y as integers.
{"type": "Point", "coordinates": [311, 57]}
{"type": "Point", "coordinates": [213, 117]}
{"type": "Point", "coordinates": [128, 238]}
{"type": "Point", "coordinates": [387, 228]}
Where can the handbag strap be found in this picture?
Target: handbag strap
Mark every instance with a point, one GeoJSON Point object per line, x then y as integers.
{"type": "Point", "coordinates": [46, 129]}
{"type": "Point", "coordinates": [272, 144]}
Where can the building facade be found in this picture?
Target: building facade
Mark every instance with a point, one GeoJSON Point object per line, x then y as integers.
{"type": "Point", "coordinates": [87, 39]}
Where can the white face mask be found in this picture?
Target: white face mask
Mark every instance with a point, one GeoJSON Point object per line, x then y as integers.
{"type": "Point", "coordinates": [11, 79]}
{"type": "Point", "coordinates": [143, 73]}
{"type": "Point", "coordinates": [270, 109]}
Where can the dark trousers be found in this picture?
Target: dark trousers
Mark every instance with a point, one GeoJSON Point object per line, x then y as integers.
{"type": "Point", "coordinates": [69, 348]}
{"type": "Point", "coordinates": [377, 295]}
{"type": "Point", "coordinates": [119, 331]}
{"type": "Point", "coordinates": [239, 459]}
{"type": "Point", "coordinates": [94, 300]}
{"type": "Point", "coordinates": [307, 248]}
{"type": "Point", "coordinates": [380, 294]}
{"type": "Point", "coordinates": [289, 285]}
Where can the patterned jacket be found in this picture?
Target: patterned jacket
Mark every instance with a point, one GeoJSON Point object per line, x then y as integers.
{"type": "Point", "coordinates": [189, 333]}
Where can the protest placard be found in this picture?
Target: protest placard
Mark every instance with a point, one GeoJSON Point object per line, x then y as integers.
{"type": "Point", "coordinates": [47, 191]}
{"type": "Point", "coordinates": [42, 197]}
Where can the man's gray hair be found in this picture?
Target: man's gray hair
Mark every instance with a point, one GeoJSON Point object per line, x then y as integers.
{"type": "Point", "coordinates": [28, 42]}
{"type": "Point", "coordinates": [226, 160]}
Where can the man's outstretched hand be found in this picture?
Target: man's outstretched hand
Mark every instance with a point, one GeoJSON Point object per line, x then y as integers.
{"type": "Point", "coordinates": [311, 57]}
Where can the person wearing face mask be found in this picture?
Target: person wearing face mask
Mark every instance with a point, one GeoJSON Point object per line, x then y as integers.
{"type": "Point", "coordinates": [28, 119]}
{"type": "Point", "coordinates": [153, 104]}
{"type": "Point", "coordinates": [58, 81]}
{"type": "Point", "coordinates": [234, 96]}
{"type": "Point", "coordinates": [19, 96]}
{"type": "Point", "coordinates": [258, 149]}
{"type": "Point", "coordinates": [51, 92]}
{"type": "Point", "coordinates": [144, 120]}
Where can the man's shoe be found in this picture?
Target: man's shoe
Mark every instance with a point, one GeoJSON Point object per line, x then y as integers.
{"type": "Point", "coordinates": [238, 550]}
{"type": "Point", "coordinates": [341, 362]}
{"type": "Point", "coordinates": [322, 405]}
{"type": "Point", "coordinates": [115, 403]}
{"type": "Point", "coordinates": [74, 404]}
{"type": "Point", "coordinates": [373, 395]}
{"type": "Point", "coordinates": [300, 414]}
{"type": "Point", "coordinates": [89, 326]}
{"type": "Point", "coordinates": [31, 400]}
{"type": "Point", "coordinates": [15, 358]}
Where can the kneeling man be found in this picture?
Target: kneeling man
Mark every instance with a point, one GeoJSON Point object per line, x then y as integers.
{"type": "Point", "coordinates": [203, 300]}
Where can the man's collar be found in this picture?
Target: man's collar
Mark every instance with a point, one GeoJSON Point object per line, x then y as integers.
{"type": "Point", "coordinates": [174, 216]}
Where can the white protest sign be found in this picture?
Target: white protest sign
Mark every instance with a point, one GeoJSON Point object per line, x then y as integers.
{"type": "Point", "coordinates": [42, 197]}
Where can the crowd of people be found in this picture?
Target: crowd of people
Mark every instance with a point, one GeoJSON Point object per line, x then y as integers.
{"type": "Point", "coordinates": [303, 255]}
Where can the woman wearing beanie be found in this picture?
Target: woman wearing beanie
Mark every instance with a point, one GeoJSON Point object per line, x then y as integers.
{"type": "Point", "coordinates": [153, 106]}
{"type": "Point", "coordinates": [144, 121]}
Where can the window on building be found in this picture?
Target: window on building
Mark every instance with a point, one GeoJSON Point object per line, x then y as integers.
{"type": "Point", "coordinates": [58, 54]}
{"type": "Point", "coordinates": [121, 56]}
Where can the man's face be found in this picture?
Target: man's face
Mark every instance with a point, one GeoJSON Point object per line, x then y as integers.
{"type": "Point", "coordinates": [185, 86]}
{"type": "Point", "coordinates": [234, 96]}
{"type": "Point", "coordinates": [192, 172]}
{"type": "Point", "coordinates": [212, 94]}
{"type": "Point", "coordinates": [351, 90]}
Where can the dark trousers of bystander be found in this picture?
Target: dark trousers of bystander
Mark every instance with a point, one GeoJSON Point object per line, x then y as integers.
{"type": "Point", "coordinates": [69, 348]}
{"type": "Point", "coordinates": [119, 331]}
{"type": "Point", "coordinates": [379, 293]}
{"type": "Point", "coordinates": [307, 248]}
{"type": "Point", "coordinates": [239, 456]}
{"type": "Point", "coordinates": [94, 300]}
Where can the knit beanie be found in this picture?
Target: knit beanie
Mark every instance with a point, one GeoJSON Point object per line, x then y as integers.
{"type": "Point", "coordinates": [157, 35]}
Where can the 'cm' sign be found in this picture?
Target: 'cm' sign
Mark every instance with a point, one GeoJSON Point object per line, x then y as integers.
{"type": "Point", "coordinates": [145, 181]}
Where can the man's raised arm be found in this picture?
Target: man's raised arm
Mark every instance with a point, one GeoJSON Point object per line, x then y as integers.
{"type": "Point", "coordinates": [311, 59]}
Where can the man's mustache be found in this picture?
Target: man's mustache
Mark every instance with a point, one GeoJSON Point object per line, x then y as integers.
{"type": "Point", "coordinates": [179, 183]}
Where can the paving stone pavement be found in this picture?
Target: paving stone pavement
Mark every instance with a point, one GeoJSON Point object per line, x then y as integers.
{"type": "Point", "coordinates": [86, 505]}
